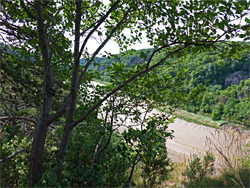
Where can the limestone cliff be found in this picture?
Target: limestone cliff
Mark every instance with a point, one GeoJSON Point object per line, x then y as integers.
{"type": "Point", "coordinates": [235, 78]}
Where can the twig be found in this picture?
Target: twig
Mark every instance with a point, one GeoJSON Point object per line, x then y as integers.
{"type": "Point", "coordinates": [12, 155]}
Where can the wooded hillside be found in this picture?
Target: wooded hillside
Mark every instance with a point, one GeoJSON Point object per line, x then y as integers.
{"type": "Point", "coordinates": [225, 80]}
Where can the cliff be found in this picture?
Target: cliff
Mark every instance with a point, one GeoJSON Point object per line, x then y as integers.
{"type": "Point", "coordinates": [235, 78]}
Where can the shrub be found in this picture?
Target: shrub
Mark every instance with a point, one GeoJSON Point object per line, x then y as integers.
{"type": "Point", "coordinates": [217, 112]}
{"type": "Point", "coordinates": [199, 169]}
{"type": "Point", "coordinates": [156, 168]}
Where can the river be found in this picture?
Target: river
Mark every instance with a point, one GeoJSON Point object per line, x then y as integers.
{"type": "Point", "coordinates": [191, 140]}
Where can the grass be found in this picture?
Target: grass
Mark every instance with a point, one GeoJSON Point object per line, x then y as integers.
{"type": "Point", "coordinates": [204, 120]}
{"type": "Point", "coordinates": [176, 176]}
{"type": "Point", "coordinates": [200, 119]}
{"type": "Point", "coordinates": [102, 82]}
{"type": "Point", "coordinates": [195, 118]}
{"type": "Point", "coordinates": [226, 178]}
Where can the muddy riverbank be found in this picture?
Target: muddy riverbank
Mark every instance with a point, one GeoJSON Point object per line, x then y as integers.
{"type": "Point", "coordinates": [192, 140]}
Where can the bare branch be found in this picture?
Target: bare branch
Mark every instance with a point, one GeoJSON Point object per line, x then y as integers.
{"type": "Point", "coordinates": [101, 46]}
{"type": "Point", "coordinates": [12, 155]}
{"type": "Point", "coordinates": [10, 118]}
{"type": "Point", "coordinates": [29, 13]}
{"type": "Point", "coordinates": [73, 124]}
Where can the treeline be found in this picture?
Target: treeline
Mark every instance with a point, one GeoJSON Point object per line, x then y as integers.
{"type": "Point", "coordinates": [231, 104]}
{"type": "Point", "coordinates": [218, 98]}
{"type": "Point", "coordinates": [128, 59]}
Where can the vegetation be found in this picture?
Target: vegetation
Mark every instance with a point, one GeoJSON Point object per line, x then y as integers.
{"type": "Point", "coordinates": [59, 129]}
{"type": "Point", "coordinates": [218, 99]}
{"type": "Point", "coordinates": [199, 173]}
{"type": "Point", "coordinates": [198, 170]}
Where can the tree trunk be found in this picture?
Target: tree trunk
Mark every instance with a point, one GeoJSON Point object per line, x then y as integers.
{"type": "Point", "coordinates": [36, 168]}
{"type": "Point", "coordinates": [74, 90]}
{"type": "Point", "coordinates": [62, 152]}
{"type": "Point", "coordinates": [39, 138]}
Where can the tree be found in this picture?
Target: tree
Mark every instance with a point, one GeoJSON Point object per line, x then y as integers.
{"type": "Point", "coordinates": [217, 112]}
{"type": "Point", "coordinates": [40, 29]}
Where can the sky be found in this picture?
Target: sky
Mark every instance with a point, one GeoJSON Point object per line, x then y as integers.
{"type": "Point", "coordinates": [113, 48]}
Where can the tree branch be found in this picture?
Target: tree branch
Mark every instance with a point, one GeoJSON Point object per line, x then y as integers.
{"type": "Point", "coordinates": [16, 117]}
{"type": "Point", "coordinates": [133, 168]}
{"type": "Point", "coordinates": [73, 124]}
{"type": "Point", "coordinates": [51, 27]}
{"type": "Point", "coordinates": [85, 30]}
{"type": "Point", "coordinates": [12, 155]}
{"type": "Point", "coordinates": [112, 8]}
{"type": "Point", "coordinates": [110, 133]}
{"type": "Point", "coordinates": [29, 13]}
{"type": "Point", "coordinates": [42, 37]}
{"type": "Point", "coordinates": [59, 113]}
{"type": "Point", "coordinates": [100, 47]}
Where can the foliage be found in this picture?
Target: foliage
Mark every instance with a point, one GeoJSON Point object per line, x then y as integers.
{"type": "Point", "coordinates": [226, 179]}
{"type": "Point", "coordinates": [230, 178]}
{"type": "Point", "coordinates": [246, 160]}
{"type": "Point", "coordinates": [14, 171]}
{"type": "Point", "coordinates": [217, 112]}
{"type": "Point", "coordinates": [156, 167]}
{"type": "Point", "coordinates": [198, 173]}
{"type": "Point", "coordinates": [218, 100]}
{"type": "Point", "coordinates": [198, 169]}
{"type": "Point", "coordinates": [59, 95]}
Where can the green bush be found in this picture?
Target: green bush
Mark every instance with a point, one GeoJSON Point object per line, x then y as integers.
{"type": "Point", "coordinates": [226, 179]}
{"type": "Point", "coordinates": [217, 112]}
{"type": "Point", "coordinates": [156, 168]}
{"type": "Point", "coordinates": [229, 179]}
{"type": "Point", "coordinates": [199, 169]}
{"type": "Point", "coordinates": [14, 171]}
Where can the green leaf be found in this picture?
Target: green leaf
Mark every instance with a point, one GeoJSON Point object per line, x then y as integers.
{"type": "Point", "coordinates": [99, 33]}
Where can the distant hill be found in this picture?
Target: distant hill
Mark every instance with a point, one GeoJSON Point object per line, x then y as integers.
{"type": "Point", "coordinates": [132, 59]}
{"type": "Point", "coordinates": [226, 81]}
{"type": "Point", "coordinates": [202, 66]}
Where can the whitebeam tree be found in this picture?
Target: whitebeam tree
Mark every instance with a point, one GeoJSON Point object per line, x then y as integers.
{"type": "Point", "coordinates": [42, 28]}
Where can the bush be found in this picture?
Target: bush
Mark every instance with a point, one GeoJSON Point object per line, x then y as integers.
{"type": "Point", "coordinates": [227, 179]}
{"type": "Point", "coordinates": [217, 112]}
{"type": "Point", "coordinates": [199, 169]}
{"type": "Point", "coordinates": [230, 180]}
{"type": "Point", "coordinates": [156, 168]}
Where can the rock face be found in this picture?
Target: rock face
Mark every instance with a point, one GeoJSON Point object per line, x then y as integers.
{"type": "Point", "coordinates": [235, 78]}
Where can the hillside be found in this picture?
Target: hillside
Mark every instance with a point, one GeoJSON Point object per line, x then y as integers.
{"type": "Point", "coordinates": [225, 82]}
